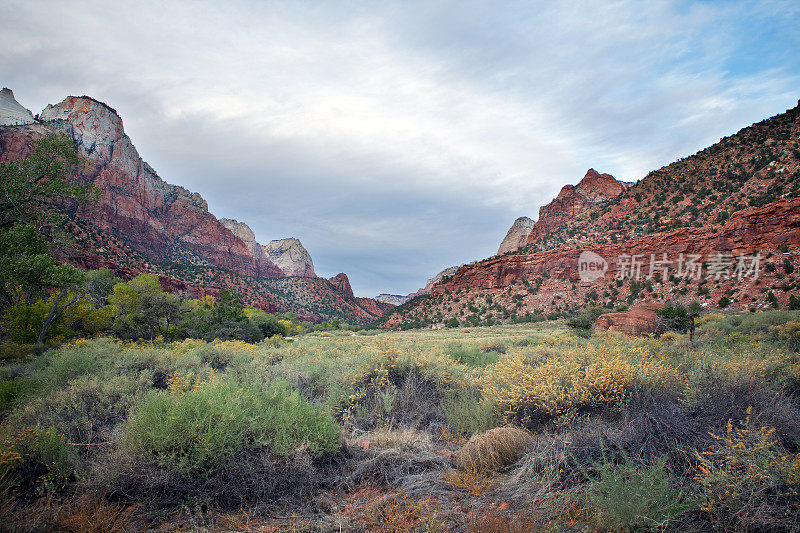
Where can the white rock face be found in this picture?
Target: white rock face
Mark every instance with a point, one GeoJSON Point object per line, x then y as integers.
{"type": "Point", "coordinates": [449, 271]}
{"type": "Point", "coordinates": [516, 236]}
{"type": "Point", "coordinates": [287, 254]}
{"type": "Point", "coordinates": [11, 112]}
{"type": "Point", "coordinates": [291, 257]}
{"type": "Point", "coordinates": [243, 231]}
{"type": "Point", "coordinates": [393, 299]}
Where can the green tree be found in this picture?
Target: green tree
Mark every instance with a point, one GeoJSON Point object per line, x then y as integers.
{"type": "Point", "coordinates": [677, 317]}
{"type": "Point", "coordinates": [31, 185]}
{"type": "Point", "coordinates": [33, 189]}
{"type": "Point", "coordinates": [142, 310]}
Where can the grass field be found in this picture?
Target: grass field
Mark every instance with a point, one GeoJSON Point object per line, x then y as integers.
{"type": "Point", "coordinates": [507, 428]}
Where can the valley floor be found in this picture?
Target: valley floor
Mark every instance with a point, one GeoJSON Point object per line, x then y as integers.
{"type": "Point", "coordinates": [525, 427]}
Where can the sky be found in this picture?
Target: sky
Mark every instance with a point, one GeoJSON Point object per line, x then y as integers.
{"type": "Point", "coordinates": [395, 139]}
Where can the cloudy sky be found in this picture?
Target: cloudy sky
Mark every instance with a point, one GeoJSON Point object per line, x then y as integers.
{"type": "Point", "coordinates": [395, 139]}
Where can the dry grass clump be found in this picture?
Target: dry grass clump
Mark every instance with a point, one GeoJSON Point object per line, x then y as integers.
{"type": "Point", "coordinates": [400, 459]}
{"type": "Point", "coordinates": [95, 514]}
{"type": "Point", "coordinates": [471, 481]}
{"type": "Point", "coordinates": [494, 449]}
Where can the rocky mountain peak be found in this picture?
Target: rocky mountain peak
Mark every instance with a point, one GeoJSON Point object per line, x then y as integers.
{"type": "Point", "coordinates": [393, 299]}
{"type": "Point", "coordinates": [290, 256]}
{"type": "Point", "coordinates": [342, 284]}
{"type": "Point", "coordinates": [95, 127]}
{"type": "Point", "coordinates": [571, 202]}
{"type": "Point", "coordinates": [11, 112]}
{"type": "Point", "coordinates": [240, 229]}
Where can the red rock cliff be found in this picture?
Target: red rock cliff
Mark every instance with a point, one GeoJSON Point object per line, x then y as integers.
{"type": "Point", "coordinates": [162, 221]}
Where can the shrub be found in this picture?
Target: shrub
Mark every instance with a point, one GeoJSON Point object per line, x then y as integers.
{"type": "Point", "coordinates": [11, 390]}
{"type": "Point", "coordinates": [86, 409]}
{"type": "Point", "coordinates": [10, 352]}
{"type": "Point", "coordinates": [749, 481]}
{"type": "Point", "coordinates": [584, 321]}
{"type": "Point", "coordinates": [467, 413]}
{"type": "Point", "coordinates": [788, 333]}
{"type": "Point", "coordinates": [579, 380]}
{"type": "Point", "coordinates": [79, 358]}
{"type": "Point", "coordinates": [194, 432]}
{"type": "Point", "coordinates": [626, 497]}
{"type": "Point", "coordinates": [35, 461]}
{"type": "Point", "coordinates": [472, 355]}
{"type": "Point", "coordinates": [94, 514]}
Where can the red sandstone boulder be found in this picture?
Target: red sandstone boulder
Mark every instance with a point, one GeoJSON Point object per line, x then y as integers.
{"type": "Point", "coordinates": [639, 320]}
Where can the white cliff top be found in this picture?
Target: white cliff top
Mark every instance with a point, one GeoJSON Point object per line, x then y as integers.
{"type": "Point", "coordinates": [11, 112]}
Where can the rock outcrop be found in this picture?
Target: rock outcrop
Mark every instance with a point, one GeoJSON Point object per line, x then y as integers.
{"type": "Point", "coordinates": [640, 319]}
{"type": "Point", "coordinates": [517, 235]}
{"type": "Point", "coordinates": [752, 230]}
{"type": "Point", "coordinates": [393, 299]}
{"type": "Point", "coordinates": [575, 200]}
{"type": "Point", "coordinates": [572, 202]}
{"type": "Point", "coordinates": [342, 284]}
{"type": "Point", "coordinates": [290, 256]}
{"type": "Point", "coordinates": [11, 112]}
{"type": "Point", "coordinates": [435, 280]}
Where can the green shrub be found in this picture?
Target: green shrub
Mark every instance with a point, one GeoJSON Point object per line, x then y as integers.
{"type": "Point", "coordinates": [82, 358]}
{"type": "Point", "coordinates": [626, 497]}
{"type": "Point", "coordinates": [472, 355]}
{"type": "Point", "coordinates": [86, 409]}
{"type": "Point", "coordinates": [11, 390]}
{"type": "Point", "coordinates": [194, 432]}
{"type": "Point", "coordinates": [10, 352]}
{"type": "Point", "coordinates": [468, 414]}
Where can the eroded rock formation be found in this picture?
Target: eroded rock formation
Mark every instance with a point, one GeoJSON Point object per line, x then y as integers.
{"type": "Point", "coordinates": [342, 284]}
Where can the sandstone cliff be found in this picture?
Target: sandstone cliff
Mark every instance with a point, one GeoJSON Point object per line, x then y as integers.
{"type": "Point", "coordinates": [288, 255]}
{"type": "Point", "coordinates": [11, 112]}
{"type": "Point", "coordinates": [517, 235]}
{"type": "Point", "coordinates": [572, 202]}
{"type": "Point", "coordinates": [162, 221]}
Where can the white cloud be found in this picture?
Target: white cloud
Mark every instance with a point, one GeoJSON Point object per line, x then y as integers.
{"type": "Point", "coordinates": [337, 122]}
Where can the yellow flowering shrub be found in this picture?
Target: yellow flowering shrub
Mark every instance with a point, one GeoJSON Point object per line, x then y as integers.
{"type": "Point", "coordinates": [180, 382]}
{"type": "Point", "coordinates": [34, 459]}
{"type": "Point", "coordinates": [745, 468]}
{"type": "Point", "coordinates": [711, 317]}
{"type": "Point", "coordinates": [579, 380]}
{"type": "Point", "coordinates": [375, 374]}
